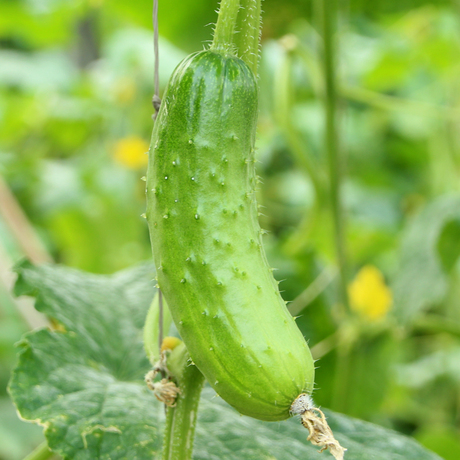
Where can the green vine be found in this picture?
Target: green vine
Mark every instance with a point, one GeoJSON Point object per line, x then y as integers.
{"type": "Point", "coordinates": [225, 27]}
{"type": "Point", "coordinates": [40, 453]}
{"type": "Point", "coordinates": [248, 37]}
{"type": "Point", "coordinates": [181, 419]}
{"type": "Point", "coordinates": [238, 30]}
{"type": "Point", "coordinates": [329, 13]}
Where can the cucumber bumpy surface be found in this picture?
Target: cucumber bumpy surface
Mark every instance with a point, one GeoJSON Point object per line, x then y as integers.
{"type": "Point", "coordinates": [206, 239]}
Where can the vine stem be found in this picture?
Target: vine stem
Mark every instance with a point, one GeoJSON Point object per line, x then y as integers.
{"type": "Point", "coordinates": [248, 37]}
{"type": "Point", "coordinates": [283, 108]}
{"type": "Point", "coordinates": [328, 10]}
{"type": "Point", "coordinates": [40, 453]}
{"type": "Point", "coordinates": [181, 419]}
{"type": "Point", "coordinates": [329, 13]}
{"type": "Point", "coordinates": [225, 27]}
{"type": "Point", "coordinates": [283, 99]}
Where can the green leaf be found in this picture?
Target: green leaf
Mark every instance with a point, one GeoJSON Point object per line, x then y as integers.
{"type": "Point", "coordinates": [419, 373]}
{"type": "Point", "coordinates": [449, 244]}
{"type": "Point", "coordinates": [421, 281]}
{"type": "Point", "coordinates": [83, 383]}
{"type": "Point", "coordinates": [45, 71]}
{"type": "Point", "coordinates": [224, 435]}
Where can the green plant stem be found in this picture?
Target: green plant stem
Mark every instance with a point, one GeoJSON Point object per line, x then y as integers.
{"type": "Point", "coordinates": [373, 98]}
{"type": "Point", "coordinates": [225, 27]}
{"type": "Point", "coordinates": [40, 453]}
{"type": "Point", "coordinates": [283, 109]}
{"type": "Point", "coordinates": [325, 346]}
{"type": "Point", "coordinates": [342, 377]}
{"type": "Point", "coordinates": [248, 37]}
{"type": "Point", "coordinates": [312, 66]}
{"type": "Point", "coordinates": [435, 324]}
{"type": "Point", "coordinates": [393, 103]}
{"type": "Point", "coordinates": [317, 286]}
{"type": "Point", "coordinates": [181, 419]}
{"type": "Point", "coordinates": [329, 17]}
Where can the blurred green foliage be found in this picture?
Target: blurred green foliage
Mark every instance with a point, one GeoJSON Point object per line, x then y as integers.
{"type": "Point", "coordinates": [76, 78]}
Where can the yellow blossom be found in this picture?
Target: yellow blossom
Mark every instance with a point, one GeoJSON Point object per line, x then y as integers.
{"type": "Point", "coordinates": [369, 295]}
{"type": "Point", "coordinates": [131, 152]}
{"type": "Point", "coordinates": [169, 343]}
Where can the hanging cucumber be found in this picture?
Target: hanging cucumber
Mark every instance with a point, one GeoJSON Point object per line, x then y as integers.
{"type": "Point", "coordinates": [206, 240]}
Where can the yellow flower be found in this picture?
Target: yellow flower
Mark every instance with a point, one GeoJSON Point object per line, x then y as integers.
{"type": "Point", "coordinates": [369, 295]}
{"type": "Point", "coordinates": [169, 343]}
{"type": "Point", "coordinates": [131, 152]}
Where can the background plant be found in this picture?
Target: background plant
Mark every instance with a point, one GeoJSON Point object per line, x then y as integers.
{"type": "Point", "coordinates": [75, 79]}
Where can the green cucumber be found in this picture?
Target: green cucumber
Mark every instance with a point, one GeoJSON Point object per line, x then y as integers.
{"type": "Point", "coordinates": [207, 243]}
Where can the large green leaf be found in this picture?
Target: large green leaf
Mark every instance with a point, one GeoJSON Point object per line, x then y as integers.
{"type": "Point", "coordinates": [449, 244]}
{"type": "Point", "coordinates": [223, 435]}
{"type": "Point", "coordinates": [429, 368]}
{"type": "Point", "coordinates": [426, 249]}
{"type": "Point", "coordinates": [82, 382]}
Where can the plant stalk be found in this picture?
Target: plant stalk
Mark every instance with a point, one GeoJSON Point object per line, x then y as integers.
{"type": "Point", "coordinates": [181, 419]}
{"type": "Point", "coordinates": [329, 13]}
{"type": "Point", "coordinates": [248, 37]}
{"type": "Point", "coordinates": [40, 453]}
{"type": "Point", "coordinates": [283, 109]}
{"type": "Point", "coordinates": [225, 27]}
{"type": "Point", "coordinates": [342, 377]}
{"type": "Point", "coordinates": [283, 99]}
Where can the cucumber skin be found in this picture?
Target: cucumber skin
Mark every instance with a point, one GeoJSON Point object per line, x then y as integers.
{"type": "Point", "coordinates": [206, 240]}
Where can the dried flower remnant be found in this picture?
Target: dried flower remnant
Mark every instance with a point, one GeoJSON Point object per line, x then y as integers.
{"type": "Point", "coordinates": [314, 420]}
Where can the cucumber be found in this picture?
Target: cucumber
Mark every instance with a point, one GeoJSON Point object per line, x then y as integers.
{"type": "Point", "coordinates": [207, 243]}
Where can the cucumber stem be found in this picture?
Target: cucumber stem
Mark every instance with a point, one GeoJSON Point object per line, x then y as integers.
{"type": "Point", "coordinates": [225, 27]}
{"type": "Point", "coordinates": [40, 453]}
{"type": "Point", "coordinates": [181, 419]}
{"type": "Point", "coordinates": [248, 37]}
